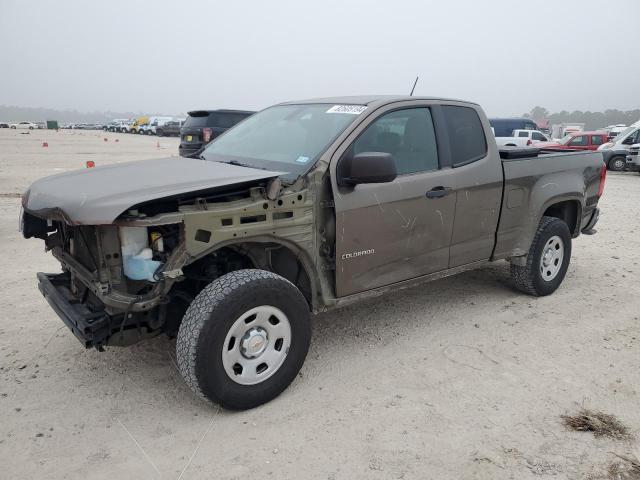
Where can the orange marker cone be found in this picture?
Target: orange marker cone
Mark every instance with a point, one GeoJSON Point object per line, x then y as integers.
{"type": "Point", "coordinates": [45, 144]}
{"type": "Point", "coordinates": [91, 164]}
{"type": "Point", "coordinates": [158, 144]}
{"type": "Point", "coordinates": [117, 140]}
{"type": "Point", "coordinates": [106, 139]}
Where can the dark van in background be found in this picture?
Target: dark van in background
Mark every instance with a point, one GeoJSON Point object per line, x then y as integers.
{"type": "Point", "coordinates": [202, 126]}
{"type": "Point", "coordinates": [504, 127]}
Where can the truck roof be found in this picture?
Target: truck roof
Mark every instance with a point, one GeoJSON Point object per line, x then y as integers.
{"type": "Point", "coordinates": [369, 100]}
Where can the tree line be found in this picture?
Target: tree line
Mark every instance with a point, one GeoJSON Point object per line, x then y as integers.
{"type": "Point", "coordinates": [592, 120]}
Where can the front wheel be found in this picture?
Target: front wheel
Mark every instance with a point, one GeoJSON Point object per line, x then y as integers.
{"type": "Point", "coordinates": [547, 260]}
{"type": "Point", "coordinates": [244, 338]}
{"type": "Point", "coordinates": [617, 164]}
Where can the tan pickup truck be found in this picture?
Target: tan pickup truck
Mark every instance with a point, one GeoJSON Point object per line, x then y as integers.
{"type": "Point", "coordinates": [302, 207]}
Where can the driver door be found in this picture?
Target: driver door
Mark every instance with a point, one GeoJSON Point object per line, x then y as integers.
{"type": "Point", "coordinates": [395, 231]}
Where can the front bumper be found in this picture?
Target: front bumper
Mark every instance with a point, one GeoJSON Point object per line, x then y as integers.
{"type": "Point", "coordinates": [633, 162]}
{"type": "Point", "coordinates": [91, 328]}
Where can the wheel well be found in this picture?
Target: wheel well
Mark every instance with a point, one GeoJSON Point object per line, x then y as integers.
{"type": "Point", "coordinates": [568, 211]}
{"type": "Point", "coordinates": [270, 256]}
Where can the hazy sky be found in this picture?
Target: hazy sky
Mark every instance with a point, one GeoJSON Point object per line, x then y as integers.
{"type": "Point", "coordinates": [175, 55]}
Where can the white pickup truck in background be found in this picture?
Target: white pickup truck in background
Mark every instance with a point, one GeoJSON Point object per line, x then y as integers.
{"type": "Point", "coordinates": [522, 138]}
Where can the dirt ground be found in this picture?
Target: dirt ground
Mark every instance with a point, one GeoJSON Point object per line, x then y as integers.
{"type": "Point", "coordinates": [459, 378]}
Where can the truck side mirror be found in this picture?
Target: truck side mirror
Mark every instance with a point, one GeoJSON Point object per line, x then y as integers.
{"type": "Point", "coordinates": [628, 141]}
{"type": "Point", "coordinates": [366, 167]}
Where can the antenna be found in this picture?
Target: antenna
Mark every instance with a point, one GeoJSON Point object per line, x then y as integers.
{"type": "Point", "coordinates": [414, 86]}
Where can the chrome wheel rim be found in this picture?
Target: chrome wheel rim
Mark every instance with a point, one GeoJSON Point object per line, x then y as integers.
{"type": "Point", "coordinates": [619, 164]}
{"type": "Point", "coordinates": [256, 345]}
{"type": "Point", "coordinates": [552, 257]}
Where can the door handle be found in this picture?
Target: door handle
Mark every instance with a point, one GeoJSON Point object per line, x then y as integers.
{"type": "Point", "coordinates": [438, 192]}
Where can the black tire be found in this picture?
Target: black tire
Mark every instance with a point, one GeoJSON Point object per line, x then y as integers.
{"type": "Point", "coordinates": [529, 278]}
{"type": "Point", "coordinates": [210, 317]}
{"type": "Point", "coordinates": [617, 163]}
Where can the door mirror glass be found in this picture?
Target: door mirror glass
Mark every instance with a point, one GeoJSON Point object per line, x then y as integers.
{"type": "Point", "coordinates": [367, 167]}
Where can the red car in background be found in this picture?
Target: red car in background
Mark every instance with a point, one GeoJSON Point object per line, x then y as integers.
{"type": "Point", "coordinates": [576, 141]}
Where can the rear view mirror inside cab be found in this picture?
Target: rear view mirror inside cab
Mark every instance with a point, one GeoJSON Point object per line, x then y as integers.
{"type": "Point", "coordinates": [366, 167]}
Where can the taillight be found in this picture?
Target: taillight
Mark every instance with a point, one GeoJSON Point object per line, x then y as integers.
{"type": "Point", "coordinates": [206, 135]}
{"type": "Point", "coordinates": [603, 177]}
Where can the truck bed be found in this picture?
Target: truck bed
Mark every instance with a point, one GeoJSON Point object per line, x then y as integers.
{"type": "Point", "coordinates": [536, 178]}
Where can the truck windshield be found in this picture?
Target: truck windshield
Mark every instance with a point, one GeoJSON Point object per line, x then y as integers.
{"type": "Point", "coordinates": [621, 135]}
{"type": "Point", "coordinates": [286, 138]}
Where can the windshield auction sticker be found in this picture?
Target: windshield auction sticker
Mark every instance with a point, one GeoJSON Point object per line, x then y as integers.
{"type": "Point", "coordinates": [352, 109]}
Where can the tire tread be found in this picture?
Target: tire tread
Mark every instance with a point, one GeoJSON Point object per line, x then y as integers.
{"type": "Point", "coordinates": [523, 276]}
{"type": "Point", "coordinates": [199, 313]}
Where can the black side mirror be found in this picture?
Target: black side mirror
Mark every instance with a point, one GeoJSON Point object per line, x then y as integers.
{"type": "Point", "coordinates": [367, 167]}
{"type": "Point", "coordinates": [628, 141]}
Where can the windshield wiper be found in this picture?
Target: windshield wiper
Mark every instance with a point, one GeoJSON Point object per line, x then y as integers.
{"type": "Point", "coordinates": [240, 164]}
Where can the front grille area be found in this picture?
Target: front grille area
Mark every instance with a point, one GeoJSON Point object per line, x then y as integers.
{"type": "Point", "coordinates": [83, 246]}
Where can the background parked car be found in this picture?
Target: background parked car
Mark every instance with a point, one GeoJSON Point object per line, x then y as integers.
{"type": "Point", "coordinates": [633, 158]}
{"type": "Point", "coordinates": [504, 127]}
{"type": "Point", "coordinates": [202, 126]}
{"type": "Point", "coordinates": [114, 125]}
{"type": "Point", "coordinates": [4, 125]}
{"type": "Point", "coordinates": [152, 124]}
{"type": "Point", "coordinates": [577, 141]}
{"type": "Point", "coordinates": [137, 123]}
{"type": "Point", "coordinates": [169, 129]}
{"type": "Point", "coordinates": [615, 159]}
{"type": "Point", "coordinates": [24, 125]}
{"type": "Point", "coordinates": [522, 138]}
{"type": "Point", "coordinates": [624, 140]}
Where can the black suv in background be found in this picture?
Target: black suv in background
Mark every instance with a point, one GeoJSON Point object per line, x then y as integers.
{"type": "Point", "coordinates": [202, 126]}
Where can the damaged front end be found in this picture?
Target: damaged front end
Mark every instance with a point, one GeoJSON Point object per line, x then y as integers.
{"type": "Point", "coordinates": [119, 234]}
{"type": "Point", "coordinates": [115, 281]}
{"type": "Point", "coordinates": [131, 273]}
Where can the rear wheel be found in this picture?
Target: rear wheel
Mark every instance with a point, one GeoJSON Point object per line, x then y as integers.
{"type": "Point", "coordinates": [244, 338]}
{"type": "Point", "coordinates": [617, 163]}
{"type": "Point", "coordinates": [547, 261]}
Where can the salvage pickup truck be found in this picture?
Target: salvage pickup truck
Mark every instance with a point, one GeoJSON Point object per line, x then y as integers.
{"type": "Point", "coordinates": [303, 207]}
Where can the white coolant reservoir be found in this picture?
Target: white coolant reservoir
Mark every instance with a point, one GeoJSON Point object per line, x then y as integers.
{"type": "Point", "coordinates": [137, 257]}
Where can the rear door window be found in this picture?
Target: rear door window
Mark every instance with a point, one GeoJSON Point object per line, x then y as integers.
{"type": "Point", "coordinates": [466, 135]}
{"type": "Point", "coordinates": [523, 134]}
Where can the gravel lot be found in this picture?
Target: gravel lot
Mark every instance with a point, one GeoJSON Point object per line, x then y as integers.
{"type": "Point", "coordinates": [460, 378]}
